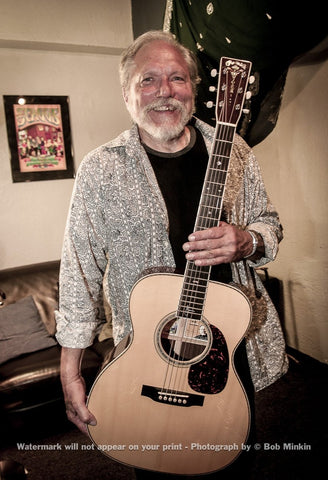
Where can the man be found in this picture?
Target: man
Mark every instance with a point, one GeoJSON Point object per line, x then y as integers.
{"type": "Point", "coordinates": [133, 207]}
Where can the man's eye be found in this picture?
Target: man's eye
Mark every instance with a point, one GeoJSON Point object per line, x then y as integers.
{"type": "Point", "coordinates": [147, 80]}
{"type": "Point", "coordinates": [178, 78]}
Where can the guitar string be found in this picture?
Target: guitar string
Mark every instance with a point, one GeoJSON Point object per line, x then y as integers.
{"type": "Point", "coordinates": [206, 220]}
{"type": "Point", "coordinates": [211, 180]}
{"type": "Point", "coordinates": [192, 294]}
{"type": "Point", "coordinates": [216, 176]}
{"type": "Point", "coordinates": [193, 291]}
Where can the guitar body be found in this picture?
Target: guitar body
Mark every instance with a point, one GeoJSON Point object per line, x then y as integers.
{"type": "Point", "coordinates": [155, 406]}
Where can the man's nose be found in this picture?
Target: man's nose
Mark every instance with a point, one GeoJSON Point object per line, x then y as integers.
{"type": "Point", "coordinates": [164, 88]}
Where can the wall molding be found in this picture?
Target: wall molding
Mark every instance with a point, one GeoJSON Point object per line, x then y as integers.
{"type": "Point", "coordinates": [59, 47]}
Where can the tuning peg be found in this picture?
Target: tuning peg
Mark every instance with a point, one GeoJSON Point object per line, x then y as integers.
{"type": "Point", "coordinates": [248, 95]}
{"type": "Point", "coordinates": [212, 88]}
{"type": "Point", "coordinates": [251, 79]}
{"type": "Point", "coordinates": [209, 104]}
{"type": "Point", "coordinates": [214, 72]}
{"type": "Point", "coordinates": [246, 110]}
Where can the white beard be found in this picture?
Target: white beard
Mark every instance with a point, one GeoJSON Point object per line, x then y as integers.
{"type": "Point", "coordinates": [164, 132]}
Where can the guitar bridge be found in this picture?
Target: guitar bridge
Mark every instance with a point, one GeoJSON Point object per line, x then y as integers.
{"type": "Point", "coordinates": [172, 397]}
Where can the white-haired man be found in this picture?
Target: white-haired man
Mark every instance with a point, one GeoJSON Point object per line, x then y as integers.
{"type": "Point", "coordinates": [133, 208]}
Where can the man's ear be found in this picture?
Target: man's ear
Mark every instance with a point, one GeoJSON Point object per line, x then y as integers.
{"type": "Point", "coordinates": [125, 95]}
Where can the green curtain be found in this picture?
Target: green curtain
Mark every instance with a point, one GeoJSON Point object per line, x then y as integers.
{"type": "Point", "coordinates": [271, 34]}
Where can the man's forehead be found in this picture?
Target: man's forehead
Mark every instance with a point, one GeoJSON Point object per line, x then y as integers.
{"type": "Point", "coordinates": [157, 54]}
{"type": "Point", "coordinates": [156, 51]}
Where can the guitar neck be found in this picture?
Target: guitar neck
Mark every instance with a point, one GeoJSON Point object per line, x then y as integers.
{"type": "Point", "coordinates": [196, 278]}
{"type": "Point", "coordinates": [231, 91]}
{"type": "Point", "coordinates": [210, 206]}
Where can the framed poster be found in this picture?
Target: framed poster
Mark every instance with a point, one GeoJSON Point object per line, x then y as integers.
{"type": "Point", "coordinates": [39, 137]}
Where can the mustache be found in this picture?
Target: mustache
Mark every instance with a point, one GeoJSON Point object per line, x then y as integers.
{"type": "Point", "coordinates": [170, 102]}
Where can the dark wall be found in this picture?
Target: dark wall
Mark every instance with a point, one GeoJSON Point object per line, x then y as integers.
{"type": "Point", "coordinates": [147, 15]}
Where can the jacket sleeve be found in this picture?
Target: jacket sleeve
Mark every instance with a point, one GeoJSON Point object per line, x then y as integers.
{"type": "Point", "coordinates": [83, 263]}
{"type": "Point", "coordinates": [263, 217]}
{"type": "Point", "coordinates": [252, 208]}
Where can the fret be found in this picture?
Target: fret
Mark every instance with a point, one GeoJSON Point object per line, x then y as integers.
{"type": "Point", "coordinates": [216, 175]}
{"type": "Point", "coordinates": [224, 155]}
{"type": "Point", "coordinates": [220, 156]}
{"type": "Point", "coordinates": [195, 307]}
{"type": "Point", "coordinates": [188, 307]}
{"type": "Point", "coordinates": [196, 294]}
{"type": "Point", "coordinates": [192, 306]}
{"type": "Point", "coordinates": [209, 212]}
{"type": "Point", "coordinates": [225, 140]}
{"type": "Point", "coordinates": [226, 130]}
{"type": "Point", "coordinates": [212, 219]}
{"type": "Point", "coordinates": [199, 285]}
{"type": "Point", "coordinates": [215, 180]}
{"type": "Point", "coordinates": [218, 169]}
{"type": "Point", "coordinates": [194, 269]}
{"type": "Point", "coordinates": [219, 160]}
{"type": "Point", "coordinates": [211, 197]}
{"type": "Point", "coordinates": [222, 146]}
{"type": "Point", "coordinates": [210, 193]}
{"type": "Point", "coordinates": [190, 316]}
{"type": "Point", "coordinates": [223, 151]}
{"type": "Point", "coordinates": [201, 288]}
{"type": "Point", "coordinates": [212, 187]}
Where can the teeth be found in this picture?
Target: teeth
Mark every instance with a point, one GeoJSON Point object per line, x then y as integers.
{"type": "Point", "coordinates": [163, 109]}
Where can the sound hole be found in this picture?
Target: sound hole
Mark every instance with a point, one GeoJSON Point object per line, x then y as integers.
{"type": "Point", "coordinates": [183, 340]}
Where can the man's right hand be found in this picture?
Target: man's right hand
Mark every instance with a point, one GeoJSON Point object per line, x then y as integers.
{"type": "Point", "coordinates": [74, 389]}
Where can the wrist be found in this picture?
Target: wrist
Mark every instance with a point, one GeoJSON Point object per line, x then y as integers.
{"type": "Point", "coordinates": [254, 240]}
{"type": "Point", "coordinates": [70, 364]}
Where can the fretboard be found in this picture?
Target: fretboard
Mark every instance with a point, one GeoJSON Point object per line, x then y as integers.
{"type": "Point", "coordinates": [196, 278]}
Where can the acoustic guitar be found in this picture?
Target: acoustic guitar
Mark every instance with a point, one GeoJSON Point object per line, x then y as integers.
{"type": "Point", "coordinates": [172, 400]}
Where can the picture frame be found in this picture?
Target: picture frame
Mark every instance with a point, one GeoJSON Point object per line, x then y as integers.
{"type": "Point", "coordinates": [39, 137]}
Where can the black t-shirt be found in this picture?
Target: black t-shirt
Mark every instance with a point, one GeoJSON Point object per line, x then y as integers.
{"type": "Point", "coordinates": [180, 177]}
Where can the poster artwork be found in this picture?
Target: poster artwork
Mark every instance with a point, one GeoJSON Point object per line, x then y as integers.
{"type": "Point", "coordinates": [40, 137]}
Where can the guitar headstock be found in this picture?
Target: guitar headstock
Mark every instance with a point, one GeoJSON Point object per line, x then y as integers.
{"type": "Point", "coordinates": [231, 91]}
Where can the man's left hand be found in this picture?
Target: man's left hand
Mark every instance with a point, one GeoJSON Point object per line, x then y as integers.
{"type": "Point", "coordinates": [223, 244]}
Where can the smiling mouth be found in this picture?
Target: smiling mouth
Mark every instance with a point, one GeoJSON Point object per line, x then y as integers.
{"type": "Point", "coordinates": [164, 106]}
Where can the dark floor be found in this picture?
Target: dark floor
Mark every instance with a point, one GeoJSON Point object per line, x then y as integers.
{"type": "Point", "coordinates": [291, 436]}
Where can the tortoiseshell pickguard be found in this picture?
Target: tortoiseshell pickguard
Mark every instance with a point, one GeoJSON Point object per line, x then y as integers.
{"type": "Point", "coordinates": [211, 374]}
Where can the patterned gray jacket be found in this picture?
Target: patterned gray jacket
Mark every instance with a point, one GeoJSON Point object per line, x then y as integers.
{"type": "Point", "coordinates": [118, 228]}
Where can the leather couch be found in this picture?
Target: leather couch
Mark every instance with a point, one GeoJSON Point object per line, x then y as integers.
{"type": "Point", "coordinates": [31, 398]}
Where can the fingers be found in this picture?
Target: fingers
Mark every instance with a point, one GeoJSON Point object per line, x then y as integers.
{"type": "Point", "coordinates": [213, 246]}
{"type": "Point", "coordinates": [74, 389]}
{"type": "Point", "coordinates": [209, 257]}
{"type": "Point", "coordinates": [80, 416]}
{"type": "Point", "coordinates": [210, 233]}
